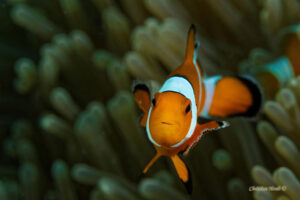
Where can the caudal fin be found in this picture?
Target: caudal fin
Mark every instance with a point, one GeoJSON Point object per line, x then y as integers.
{"type": "Point", "coordinates": [235, 96]}
{"type": "Point", "coordinates": [256, 96]}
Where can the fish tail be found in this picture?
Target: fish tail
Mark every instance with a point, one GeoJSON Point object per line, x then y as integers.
{"type": "Point", "coordinates": [256, 94]}
{"type": "Point", "coordinates": [232, 96]}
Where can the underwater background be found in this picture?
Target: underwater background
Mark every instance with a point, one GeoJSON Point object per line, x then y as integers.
{"type": "Point", "coordinates": [69, 126]}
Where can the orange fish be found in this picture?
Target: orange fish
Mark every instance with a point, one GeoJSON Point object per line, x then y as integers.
{"type": "Point", "coordinates": [272, 76]}
{"type": "Point", "coordinates": [171, 117]}
{"type": "Point", "coordinates": [291, 47]}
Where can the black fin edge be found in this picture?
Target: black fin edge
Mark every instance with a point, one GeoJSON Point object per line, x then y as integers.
{"type": "Point", "coordinates": [140, 86]}
{"type": "Point", "coordinates": [140, 177]}
{"type": "Point", "coordinates": [221, 123]}
{"type": "Point", "coordinates": [193, 27]}
{"type": "Point", "coordinates": [257, 96]}
{"type": "Point", "coordinates": [189, 184]}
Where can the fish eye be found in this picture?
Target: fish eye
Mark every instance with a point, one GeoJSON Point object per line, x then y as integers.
{"type": "Point", "coordinates": [188, 108]}
{"type": "Point", "coordinates": [153, 102]}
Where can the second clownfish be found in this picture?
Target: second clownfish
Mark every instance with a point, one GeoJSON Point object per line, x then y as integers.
{"type": "Point", "coordinates": [171, 117]}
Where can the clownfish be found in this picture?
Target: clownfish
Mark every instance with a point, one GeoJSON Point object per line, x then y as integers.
{"type": "Point", "coordinates": [291, 51]}
{"type": "Point", "coordinates": [171, 117]}
{"type": "Point", "coordinates": [273, 75]}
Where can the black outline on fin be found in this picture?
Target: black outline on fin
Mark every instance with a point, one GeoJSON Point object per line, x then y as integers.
{"type": "Point", "coordinates": [189, 184]}
{"type": "Point", "coordinates": [140, 86]}
{"type": "Point", "coordinates": [257, 96]}
{"type": "Point", "coordinates": [140, 177]}
{"type": "Point", "coordinates": [192, 27]}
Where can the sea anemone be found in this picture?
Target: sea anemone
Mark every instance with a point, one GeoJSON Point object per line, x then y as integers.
{"type": "Point", "coordinates": [68, 121]}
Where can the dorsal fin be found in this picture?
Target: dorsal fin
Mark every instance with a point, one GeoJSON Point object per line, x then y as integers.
{"type": "Point", "coordinates": [192, 45]}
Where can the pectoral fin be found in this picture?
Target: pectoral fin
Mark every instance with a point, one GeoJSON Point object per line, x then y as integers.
{"type": "Point", "coordinates": [157, 155]}
{"type": "Point", "coordinates": [202, 129]}
{"type": "Point", "coordinates": [183, 172]}
{"type": "Point", "coordinates": [142, 98]}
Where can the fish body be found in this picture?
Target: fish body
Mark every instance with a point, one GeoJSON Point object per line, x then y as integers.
{"type": "Point", "coordinates": [171, 117]}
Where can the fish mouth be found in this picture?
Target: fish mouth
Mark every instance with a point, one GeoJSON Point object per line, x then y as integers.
{"type": "Point", "coordinates": [167, 123]}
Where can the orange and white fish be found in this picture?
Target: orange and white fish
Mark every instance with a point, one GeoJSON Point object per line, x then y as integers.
{"type": "Point", "coordinates": [291, 49]}
{"type": "Point", "coordinates": [275, 74]}
{"type": "Point", "coordinates": [171, 117]}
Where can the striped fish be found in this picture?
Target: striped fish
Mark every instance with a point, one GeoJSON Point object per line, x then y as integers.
{"type": "Point", "coordinates": [171, 117]}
